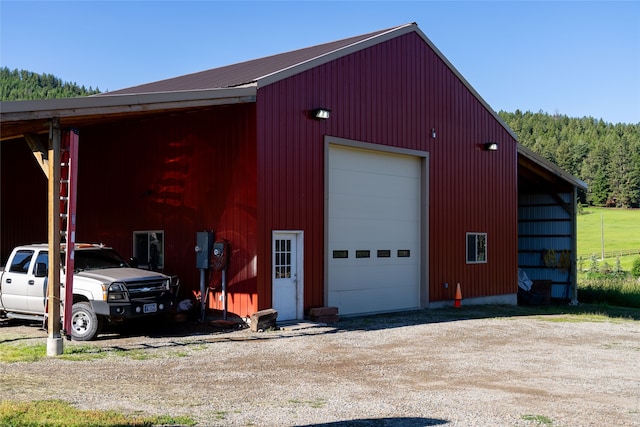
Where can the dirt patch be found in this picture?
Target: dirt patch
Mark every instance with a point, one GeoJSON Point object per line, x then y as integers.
{"type": "Point", "coordinates": [472, 366]}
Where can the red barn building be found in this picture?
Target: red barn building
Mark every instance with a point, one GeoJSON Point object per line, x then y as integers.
{"type": "Point", "coordinates": [390, 197]}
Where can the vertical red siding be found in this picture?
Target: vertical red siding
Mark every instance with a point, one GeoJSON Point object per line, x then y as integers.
{"type": "Point", "coordinates": [393, 94]}
{"type": "Point", "coordinates": [23, 206]}
{"type": "Point", "coordinates": [246, 170]}
{"type": "Point", "coordinates": [182, 174]}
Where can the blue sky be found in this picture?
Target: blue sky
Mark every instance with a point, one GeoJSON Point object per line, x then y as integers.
{"type": "Point", "coordinates": [579, 58]}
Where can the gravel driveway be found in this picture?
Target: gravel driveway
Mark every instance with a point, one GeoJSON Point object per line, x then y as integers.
{"type": "Point", "coordinates": [488, 366]}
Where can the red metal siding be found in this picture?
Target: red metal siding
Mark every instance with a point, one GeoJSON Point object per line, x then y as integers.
{"type": "Point", "coordinates": [247, 170]}
{"type": "Point", "coordinates": [393, 94]}
{"type": "Point", "coordinates": [23, 207]}
{"type": "Point", "coordinates": [182, 174]}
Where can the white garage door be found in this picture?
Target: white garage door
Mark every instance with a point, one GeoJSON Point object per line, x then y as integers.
{"type": "Point", "coordinates": [373, 230]}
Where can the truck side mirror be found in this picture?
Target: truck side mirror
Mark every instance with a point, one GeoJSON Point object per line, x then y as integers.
{"type": "Point", "coordinates": [41, 269]}
{"type": "Point", "coordinates": [133, 262]}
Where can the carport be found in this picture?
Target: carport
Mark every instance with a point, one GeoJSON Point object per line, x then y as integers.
{"type": "Point", "coordinates": [50, 129]}
{"type": "Point", "coordinates": [547, 224]}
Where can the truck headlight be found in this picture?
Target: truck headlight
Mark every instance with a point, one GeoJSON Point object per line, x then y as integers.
{"type": "Point", "coordinates": [117, 292]}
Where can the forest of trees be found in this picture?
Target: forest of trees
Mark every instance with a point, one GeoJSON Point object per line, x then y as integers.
{"type": "Point", "coordinates": [606, 156]}
{"type": "Point", "coordinates": [17, 85]}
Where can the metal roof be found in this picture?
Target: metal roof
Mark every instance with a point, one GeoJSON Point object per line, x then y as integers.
{"type": "Point", "coordinates": [199, 89]}
{"type": "Point", "coordinates": [251, 72]}
{"type": "Point", "coordinates": [20, 117]}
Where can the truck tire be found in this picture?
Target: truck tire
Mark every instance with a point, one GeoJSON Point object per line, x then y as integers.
{"type": "Point", "coordinates": [85, 324]}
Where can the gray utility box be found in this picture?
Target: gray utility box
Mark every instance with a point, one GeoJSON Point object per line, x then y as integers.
{"type": "Point", "coordinates": [204, 242]}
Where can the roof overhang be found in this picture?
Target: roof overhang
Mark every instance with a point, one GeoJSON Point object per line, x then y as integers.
{"type": "Point", "coordinates": [21, 117]}
{"type": "Point", "coordinates": [536, 172]}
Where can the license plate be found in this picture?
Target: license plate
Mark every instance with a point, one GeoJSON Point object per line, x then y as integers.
{"type": "Point", "coordinates": [150, 308]}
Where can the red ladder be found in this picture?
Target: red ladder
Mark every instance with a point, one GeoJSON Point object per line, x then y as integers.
{"type": "Point", "coordinates": [68, 192]}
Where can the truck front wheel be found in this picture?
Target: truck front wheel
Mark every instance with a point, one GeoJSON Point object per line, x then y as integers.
{"type": "Point", "coordinates": [85, 324]}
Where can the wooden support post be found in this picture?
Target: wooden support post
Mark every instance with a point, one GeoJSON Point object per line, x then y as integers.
{"type": "Point", "coordinates": [54, 340]}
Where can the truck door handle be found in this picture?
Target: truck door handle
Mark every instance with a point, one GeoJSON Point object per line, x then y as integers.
{"type": "Point", "coordinates": [8, 280]}
{"type": "Point", "coordinates": [31, 282]}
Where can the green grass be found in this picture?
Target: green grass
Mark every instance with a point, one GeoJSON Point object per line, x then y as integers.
{"type": "Point", "coordinates": [540, 419]}
{"type": "Point", "coordinates": [316, 404]}
{"type": "Point", "coordinates": [622, 292]}
{"type": "Point", "coordinates": [56, 413]}
{"type": "Point", "coordinates": [10, 353]}
{"type": "Point", "coordinates": [29, 352]}
{"type": "Point", "coordinates": [608, 281]}
{"type": "Point", "coordinates": [82, 352]}
{"type": "Point", "coordinates": [621, 229]}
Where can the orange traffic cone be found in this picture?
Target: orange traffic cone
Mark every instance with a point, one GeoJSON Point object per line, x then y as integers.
{"type": "Point", "coordinates": [458, 297]}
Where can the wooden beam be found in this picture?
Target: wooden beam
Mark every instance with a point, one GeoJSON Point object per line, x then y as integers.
{"type": "Point", "coordinates": [39, 152]}
{"type": "Point", "coordinates": [54, 340]}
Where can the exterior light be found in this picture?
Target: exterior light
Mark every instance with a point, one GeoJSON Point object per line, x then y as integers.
{"type": "Point", "coordinates": [433, 133]}
{"type": "Point", "coordinates": [321, 113]}
{"type": "Point", "coordinates": [491, 146]}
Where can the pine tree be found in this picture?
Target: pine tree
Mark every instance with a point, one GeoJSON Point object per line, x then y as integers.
{"type": "Point", "coordinates": [605, 156]}
{"type": "Point", "coordinates": [24, 85]}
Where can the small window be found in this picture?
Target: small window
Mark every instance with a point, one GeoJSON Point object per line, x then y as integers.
{"type": "Point", "coordinates": [384, 253]}
{"type": "Point", "coordinates": [283, 259]}
{"type": "Point", "coordinates": [148, 249]}
{"type": "Point", "coordinates": [43, 258]}
{"type": "Point", "coordinates": [476, 248]}
{"type": "Point", "coordinates": [21, 261]}
{"type": "Point", "coordinates": [363, 254]}
{"type": "Point", "coordinates": [341, 254]}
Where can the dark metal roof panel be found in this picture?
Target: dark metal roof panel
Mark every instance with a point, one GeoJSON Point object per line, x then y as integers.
{"type": "Point", "coordinates": [545, 172]}
{"type": "Point", "coordinates": [248, 72]}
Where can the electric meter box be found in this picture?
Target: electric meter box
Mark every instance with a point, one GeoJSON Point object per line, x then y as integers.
{"type": "Point", "coordinates": [219, 255]}
{"type": "Point", "coordinates": [204, 244]}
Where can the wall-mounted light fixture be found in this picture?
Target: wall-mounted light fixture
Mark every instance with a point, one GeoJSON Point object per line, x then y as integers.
{"type": "Point", "coordinates": [321, 113]}
{"type": "Point", "coordinates": [491, 146]}
{"type": "Point", "coordinates": [433, 133]}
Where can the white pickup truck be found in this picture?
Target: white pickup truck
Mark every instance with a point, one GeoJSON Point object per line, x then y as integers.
{"type": "Point", "coordinates": [105, 288]}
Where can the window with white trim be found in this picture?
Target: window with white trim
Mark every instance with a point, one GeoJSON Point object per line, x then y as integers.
{"type": "Point", "coordinates": [476, 248]}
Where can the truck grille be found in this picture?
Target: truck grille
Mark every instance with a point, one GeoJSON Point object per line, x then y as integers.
{"type": "Point", "coordinates": [146, 288]}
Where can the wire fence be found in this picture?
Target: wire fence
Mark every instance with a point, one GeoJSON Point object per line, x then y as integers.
{"type": "Point", "coordinates": [611, 254]}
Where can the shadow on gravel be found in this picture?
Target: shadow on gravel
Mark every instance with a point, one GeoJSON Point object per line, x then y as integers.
{"type": "Point", "coordinates": [164, 327]}
{"type": "Point", "coordinates": [426, 316]}
{"type": "Point", "coordinates": [8, 340]}
{"type": "Point", "coordinates": [383, 422]}
{"type": "Point", "coordinates": [214, 329]}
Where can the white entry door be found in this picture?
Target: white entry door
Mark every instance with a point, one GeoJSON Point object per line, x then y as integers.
{"type": "Point", "coordinates": [286, 275]}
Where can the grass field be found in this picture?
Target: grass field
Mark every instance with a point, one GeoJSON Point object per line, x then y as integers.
{"type": "Point", "coordinates": [621, 228]}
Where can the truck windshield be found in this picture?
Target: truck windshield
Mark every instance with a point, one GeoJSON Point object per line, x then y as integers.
{"type": "Point", "coordinates": [96, 259]}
